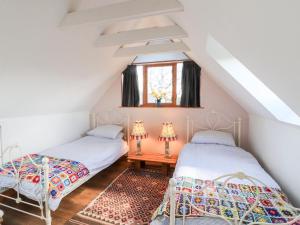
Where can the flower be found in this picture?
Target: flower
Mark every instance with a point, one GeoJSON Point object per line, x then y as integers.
{"type": "Point", "coordinates": [158, 94]}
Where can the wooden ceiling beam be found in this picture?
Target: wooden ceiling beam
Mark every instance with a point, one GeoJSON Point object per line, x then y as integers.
{"type": "Point", "coordinates": [152, 49]}
{"type": "Point", "coordinates": [122, 11]}
{"type": "Point", "coordinates": [141, 35]}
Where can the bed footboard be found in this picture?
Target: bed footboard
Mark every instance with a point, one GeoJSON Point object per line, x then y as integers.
{"type": "Point", "coordinates": [43, 203]}
{"type": "Point", "coordinates": [1, 216]}
{"type": "Point", "coordinates": [235, 219]}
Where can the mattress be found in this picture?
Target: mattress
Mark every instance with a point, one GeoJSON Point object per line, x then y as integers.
{"type": "Point", "coordinates": [209, 161]}
{"type": "Point", "coordinates": [94, 153]}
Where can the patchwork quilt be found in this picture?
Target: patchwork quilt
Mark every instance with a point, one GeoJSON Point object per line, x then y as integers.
{"type": "Point", "coordinates": [231, 201]}
{"type": "Point", "coordinates": [63, 174]}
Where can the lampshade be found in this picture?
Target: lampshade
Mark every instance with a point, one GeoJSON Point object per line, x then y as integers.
{"type": "Point", "coordinates": [138, 130]}
{"type": "Point", "coordinates": [167, 132]}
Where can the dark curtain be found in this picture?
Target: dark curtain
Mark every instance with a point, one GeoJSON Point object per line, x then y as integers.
{"type": "Point", "coordinates": [190, 85]}
{"type": "Point", "coordinates": [130, 89]}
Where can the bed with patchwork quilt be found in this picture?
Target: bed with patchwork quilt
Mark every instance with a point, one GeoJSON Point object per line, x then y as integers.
{"type": "Point", "coordinates": [63, 175]}
{"type": "Point", "coordinates": [197, 199]}
{"type": "Point", "coordinates": [68, 165]}
{"type": "Point", "coordinates": [204, 195]}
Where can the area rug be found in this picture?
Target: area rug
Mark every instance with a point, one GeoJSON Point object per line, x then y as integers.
{"type": "Point", "coordinates": [131, 199]}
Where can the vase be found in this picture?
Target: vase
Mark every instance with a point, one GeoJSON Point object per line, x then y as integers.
{"type": "Point", "coordinates": [158, 101]}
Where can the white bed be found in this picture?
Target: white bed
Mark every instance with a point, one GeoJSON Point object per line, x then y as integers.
{"type": "Point", "coordinates": [91, 153]}
{"type": "Point", "coordinates": [94, 153]}
{"type": "Point", "coordinates": [209, 161]}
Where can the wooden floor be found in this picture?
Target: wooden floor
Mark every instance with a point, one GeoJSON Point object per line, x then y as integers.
{"type": "Point", "coordinates": [72, 203]}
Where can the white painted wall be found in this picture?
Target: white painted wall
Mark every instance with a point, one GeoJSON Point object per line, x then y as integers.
{"type": "Point", "coordinates": [36, 133]}
{"type": "Point", "coordinates": [276, 145]}
{"type": "Point", "coordinates": [212, 97]}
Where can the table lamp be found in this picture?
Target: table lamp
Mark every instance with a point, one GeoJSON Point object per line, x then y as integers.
{"type": "Point", "coordinates": [167, 135]}
{"type": "Point", "coordinates": [138, 133]}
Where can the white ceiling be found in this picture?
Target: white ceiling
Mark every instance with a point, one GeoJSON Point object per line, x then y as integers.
{"type": "Point", "coordinates": [47, 69]}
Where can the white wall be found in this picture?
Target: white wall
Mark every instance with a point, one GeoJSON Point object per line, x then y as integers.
{"type": "Point", "coordinates": [212, 97]}
{"type": "Point", "coordinates": [36, 133]}
{"type": "Point", "coordinates": [277, 146]}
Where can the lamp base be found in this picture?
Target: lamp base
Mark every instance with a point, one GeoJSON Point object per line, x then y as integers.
{"type": "Point", "coordinates": [138, 153]}
{"type": "Point", "coordinates": [138, 148]}
{"type": "Point", "coordinates": [167, 150]}
{"type": "Point", "coordinates": [168, 156]}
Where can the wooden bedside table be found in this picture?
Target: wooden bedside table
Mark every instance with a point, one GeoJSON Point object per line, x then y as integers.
{"type": "Point", "coordinates": [140, 161]}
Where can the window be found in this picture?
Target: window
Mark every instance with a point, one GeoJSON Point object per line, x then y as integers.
{"type": "Point", "coordinates": [160, 82]}
{"type": "Point", "coordinates": [251, 83]}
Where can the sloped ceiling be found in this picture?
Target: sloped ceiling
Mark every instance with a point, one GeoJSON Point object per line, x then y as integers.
{"type": "Point", "coordinates": [263, 35]}
{"type": "Point", "coordinates": [47, 69]}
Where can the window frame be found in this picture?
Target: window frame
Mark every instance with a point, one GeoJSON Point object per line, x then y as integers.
{"type": "Point", "coordinates": [174, 84]}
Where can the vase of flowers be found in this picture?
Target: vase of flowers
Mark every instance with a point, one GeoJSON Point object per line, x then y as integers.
{"type": "Point", "coordinates": [158, 95]}
{"type": "Point", "coordinates": [158, 101]}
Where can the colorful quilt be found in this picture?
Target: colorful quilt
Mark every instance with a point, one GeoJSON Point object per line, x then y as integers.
{"type": "Point", "coordinates": [232, 201]}
{"type": "Point", "coordinates": [62, 173]}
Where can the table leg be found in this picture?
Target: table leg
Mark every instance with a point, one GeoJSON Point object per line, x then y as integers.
{"type": "Point", "coordinates": [137, 166]}
{"type": "Point", "coordinates": [165, 169]}
{"type": "Point", "coordinates": [143, 164]}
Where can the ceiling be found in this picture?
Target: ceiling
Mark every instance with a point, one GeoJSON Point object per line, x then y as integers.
{"type": "Point", "coordinates": [46, 68]}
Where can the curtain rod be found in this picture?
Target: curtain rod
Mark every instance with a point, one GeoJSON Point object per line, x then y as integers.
{"type": "Point", "coordinates": [170, 61]}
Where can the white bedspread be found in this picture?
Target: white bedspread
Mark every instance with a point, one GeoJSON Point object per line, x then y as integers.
{"type": "Point", "coordinates": [209, 161]}
{"type": "Point", "coordinates": [94, 152]}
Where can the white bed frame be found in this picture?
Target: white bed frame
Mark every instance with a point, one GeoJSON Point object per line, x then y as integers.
{"type": "Point", "coordinates": [107, 117]}
{"type": "Point", "coordinates": [217, 121]}
{"type": "Point", "coordinates": [214, 120]}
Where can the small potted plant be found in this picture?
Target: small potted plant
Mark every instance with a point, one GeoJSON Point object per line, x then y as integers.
{"type": "Point", "coordinates": [158, 95]}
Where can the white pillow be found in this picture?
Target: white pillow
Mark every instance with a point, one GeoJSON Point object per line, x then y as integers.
{"type": "Point", "coordinates": [213, 137]}
{"type": "Point", "coordinates": [106, 131]}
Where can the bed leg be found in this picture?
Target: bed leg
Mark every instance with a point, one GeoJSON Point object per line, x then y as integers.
{"type": "Point", "coordinates": [46, 190]}
{"type": "Point", "coordinates": [1, 216]}
{"type": "Point", "coordinates": [172, 190]}
{"type": "Point", "coordinates": [48, 218]}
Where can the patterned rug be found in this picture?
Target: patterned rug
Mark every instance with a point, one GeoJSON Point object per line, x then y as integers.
{"type": "Point", "coordinates": [131, 199]}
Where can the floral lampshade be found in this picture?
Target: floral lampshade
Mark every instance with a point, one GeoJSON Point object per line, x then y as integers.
{"type": "Point", "coordinates": [167, 132]}
{"type": "Point", "coordinates": [138, 131]}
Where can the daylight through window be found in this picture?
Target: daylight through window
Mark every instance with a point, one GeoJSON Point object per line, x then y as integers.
{"type": "Point", "coordinates": [160, 83]}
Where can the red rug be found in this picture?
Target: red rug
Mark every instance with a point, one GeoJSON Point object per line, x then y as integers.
{"type": "Point", "coordinates": [131, 199]}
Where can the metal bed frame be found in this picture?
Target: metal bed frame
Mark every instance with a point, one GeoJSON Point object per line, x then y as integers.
{"type": "Point", "coordinates": [220, 122]}
{"type": "Point", "coordinates": [214, 120]}
{"type": "Point", "coordinates": [96, 119]}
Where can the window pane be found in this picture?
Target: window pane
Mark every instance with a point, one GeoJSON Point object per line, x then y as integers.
{"type": "Point", "coordinates": [178, 83]}
{"type": "Point", "coordinates": [160, 81]}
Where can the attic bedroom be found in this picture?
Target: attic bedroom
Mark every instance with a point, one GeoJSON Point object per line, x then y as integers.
{"type": "Point", "coordinates": [161, 112]}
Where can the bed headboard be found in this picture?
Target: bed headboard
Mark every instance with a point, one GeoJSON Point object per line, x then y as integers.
{"type": "Point", "coordinates": [113, 116]}
{"type": "Point", "coordinates": [214, 120]}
